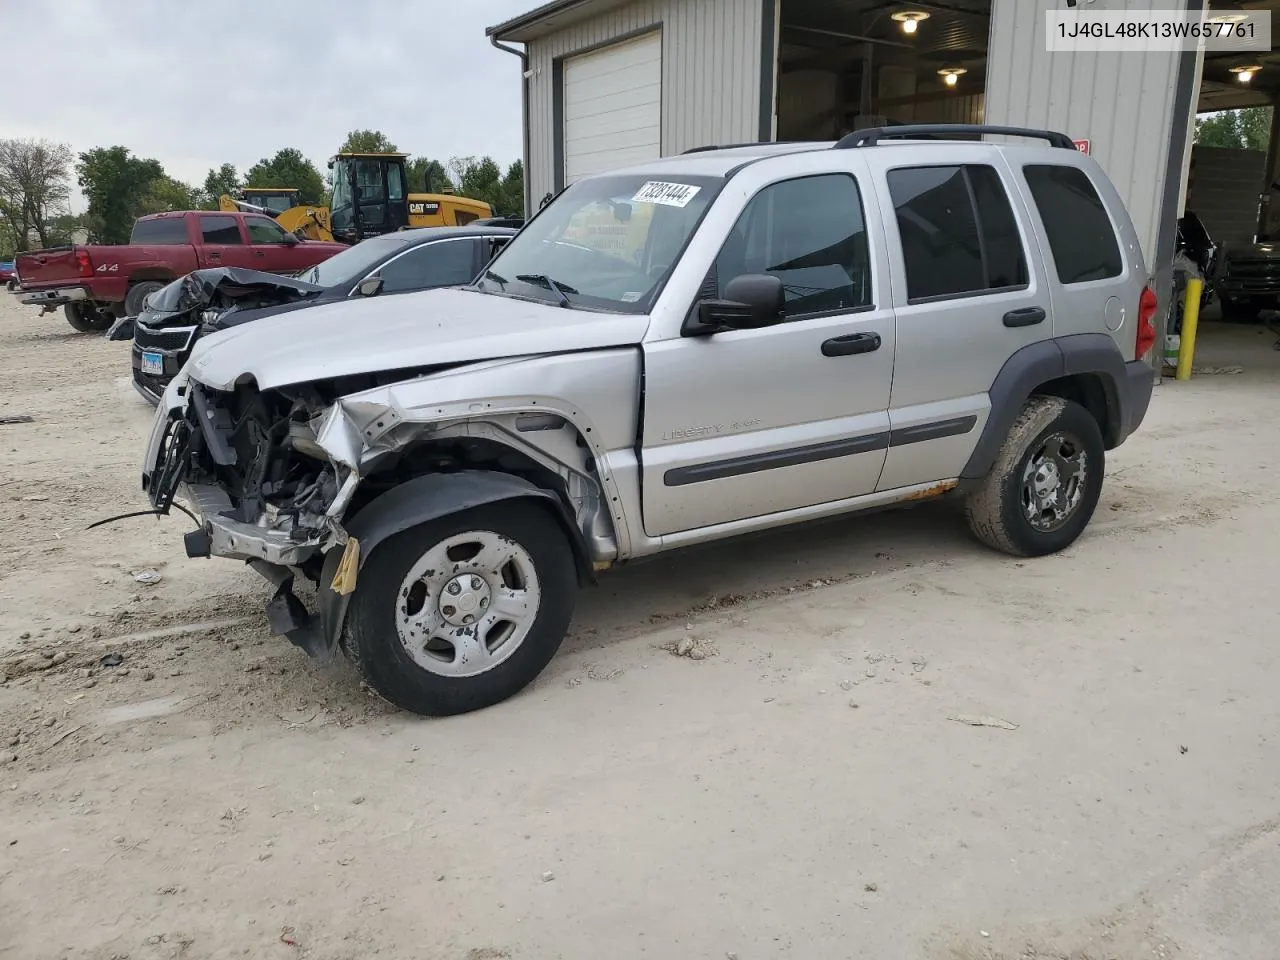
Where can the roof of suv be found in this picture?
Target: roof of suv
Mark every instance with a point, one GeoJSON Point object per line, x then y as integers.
{"type": "Point", "coordinates": [716, 160]}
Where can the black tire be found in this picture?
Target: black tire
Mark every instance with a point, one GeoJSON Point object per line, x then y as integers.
{"type": "Point", "coordinates": [137, 296]}
{"type": "Point", "coordinates": [997, 513]}
{"type": "Point", "coordinates": [85, 317]}
{"type": "Point", "coordinates": [372, 640]}
{"type": "Point", "coordinates": [1236, 311]}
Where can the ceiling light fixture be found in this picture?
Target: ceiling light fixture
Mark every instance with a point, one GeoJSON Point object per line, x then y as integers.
{"type": "Point", "coordinates": [910, 19]}
{"type": "Point", "coordinates": [1244, 72]}
{"type": "Point", "coordinates": [951, 75]}
{"type": "Point", "coordinates": [1227, 12]}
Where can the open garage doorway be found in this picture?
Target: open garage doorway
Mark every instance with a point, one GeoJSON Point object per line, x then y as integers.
{"type": "Point", "coordinates": [848, 64]}
{"type": "Point", "coordinates": [1230, 221]}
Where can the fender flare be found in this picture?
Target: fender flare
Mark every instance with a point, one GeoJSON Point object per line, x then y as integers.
{"type": "Point", "coordinates": [1037, 364]}
{"type": "Point", "coordinates": [419, 501]}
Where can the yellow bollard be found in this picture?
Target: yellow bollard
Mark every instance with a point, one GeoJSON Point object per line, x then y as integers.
{"type": "Point", "coordinates": [1190, 320]}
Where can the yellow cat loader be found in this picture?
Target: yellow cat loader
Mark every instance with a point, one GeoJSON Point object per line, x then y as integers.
{"type": "Point", "coordinates": [371, 197]}
{"type": "Point", "coordinates": [307, 221]}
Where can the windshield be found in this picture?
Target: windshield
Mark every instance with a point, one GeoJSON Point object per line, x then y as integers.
{"type": "Point", "coordinates": [606, 243]}
{"type": "Point", "coordinates": [354, 262]}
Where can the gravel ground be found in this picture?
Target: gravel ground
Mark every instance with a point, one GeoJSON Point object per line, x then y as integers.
{"type": "Point", "coordinates": [807, 786]}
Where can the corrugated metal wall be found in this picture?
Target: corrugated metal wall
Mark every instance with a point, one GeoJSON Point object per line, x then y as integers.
{"type": "Point", "coordinates": [1225, 193]}
{"type": "Point", "coordinates": [710, 80]}
{"type": "Point", "coordinates": [1122, 102]}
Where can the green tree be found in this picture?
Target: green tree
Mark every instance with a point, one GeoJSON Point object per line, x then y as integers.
{"type": "Point", "coordinates": [426, 175]}
{"type": "Point", "coordinates": [1247, 129]}
{"type": "Point", "coordinates": [8, 241]}
{"type": "Point", "coordinates": [224, 180]}
{"type": "Point", "coordinates": [368, 141]}
{"type": "Point", "coordinates": [63, 229]}
{"type": "Point", "coordinates": [288, 168]}
{"type": "Point", "coordinates": [114, 182]}
{"type": "Point", "coordinates": [164, 194]}
{"type": "Point", "coordinates": [35, 185]}
{"type": "Point", "coordinates": [482, 179]}
{"type": "Point", "coordinates": [512, 195]}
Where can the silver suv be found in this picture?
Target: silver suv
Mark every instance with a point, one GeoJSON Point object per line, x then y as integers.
{"type": "Point", "coordinates": [710, 344]}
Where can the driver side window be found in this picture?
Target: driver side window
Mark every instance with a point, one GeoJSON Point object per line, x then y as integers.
{"type": "Point", "coordinates": [810, 233]}
{"type": "Point", "coordinates": [262, 230]}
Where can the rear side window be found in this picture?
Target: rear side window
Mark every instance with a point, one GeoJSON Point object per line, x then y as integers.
{"type": "Point", "coordinates": [164, 231]}
{"type": "Point", "coordinates": [1080, 233]}
{"type": "Point", "coordinates": [220, 230]}
{"type": "Point", "coordinates": [441, 264]}
{"type": "Point", "coordinates": [959, 235]}
{"type": "Point", "coordinates": [810, 233]}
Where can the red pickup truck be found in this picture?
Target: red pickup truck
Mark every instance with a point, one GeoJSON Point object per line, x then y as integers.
{"type": "Point", "coordinates": [96, 284]}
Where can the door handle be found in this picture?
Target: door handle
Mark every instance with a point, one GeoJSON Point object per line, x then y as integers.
{"type": "Point", "coordinates": [259, 253]}
{"type": "Point", "coordinates": [852, 344]}
{"type": "Point", "coordinates": [1026, 317]}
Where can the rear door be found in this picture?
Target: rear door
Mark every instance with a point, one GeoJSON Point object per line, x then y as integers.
{"type": "Point", "coordinates": [223, 242]}
{"type": "Point", "coordinates": [440, 263]}
{"type": "Point", "coordinates": [967, 295]}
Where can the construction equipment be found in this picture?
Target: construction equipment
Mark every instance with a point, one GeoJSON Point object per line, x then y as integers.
{"type": "Point", "coordinates": [305, 220]}
{"type": "Point", "coordinates": [371, 197]}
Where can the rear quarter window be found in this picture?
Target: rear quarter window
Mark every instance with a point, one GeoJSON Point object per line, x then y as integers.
{"type": "Point", "coordinates": [1080, 233]}
{"type": "Point", "coordinates": [166, 231]}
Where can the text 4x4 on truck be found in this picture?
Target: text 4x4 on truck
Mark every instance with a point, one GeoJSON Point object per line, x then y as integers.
{"type": "Point", "coordinates": [95, 284]}
{"type": "Point", "coordinates": [688, 350]}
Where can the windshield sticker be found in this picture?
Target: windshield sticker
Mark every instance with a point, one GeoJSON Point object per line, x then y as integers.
{"type": "Point", "coordinates": [631, 297]}
{"type": "Point", "coordinates": [667, 194]}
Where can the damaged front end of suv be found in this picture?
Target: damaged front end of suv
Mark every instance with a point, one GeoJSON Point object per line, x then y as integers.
{"type": "Point", "coordinates": [306, 480]}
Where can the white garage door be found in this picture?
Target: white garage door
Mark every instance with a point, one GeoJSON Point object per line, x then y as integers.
{"type": "Point", "coordinates": [613, 107]}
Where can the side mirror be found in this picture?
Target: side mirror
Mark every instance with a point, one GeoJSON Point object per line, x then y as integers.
{"type": "Point", "coordinates": [290, 240]}
{"type": "Point", "coordinates": [370, 287]}
{"type": "Point", "coordinates": [750, 301]}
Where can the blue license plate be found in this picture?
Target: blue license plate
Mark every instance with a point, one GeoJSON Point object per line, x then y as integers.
{"type": "Point", "coordinates": [153, 363]}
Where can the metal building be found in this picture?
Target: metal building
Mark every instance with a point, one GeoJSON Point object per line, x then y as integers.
{"type": "Point", "coordinates": [612, 82]}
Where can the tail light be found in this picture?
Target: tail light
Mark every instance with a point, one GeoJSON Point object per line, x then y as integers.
{"type": "Point", "coordinates": [84, 263]}
{"type": "Point", "coordinates": [1147, 305]}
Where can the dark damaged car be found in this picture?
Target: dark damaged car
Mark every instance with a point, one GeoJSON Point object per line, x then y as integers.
{"type": "Point", "coordinates": [206, 301]}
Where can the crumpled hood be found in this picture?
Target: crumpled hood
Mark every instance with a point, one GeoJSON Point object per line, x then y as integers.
{"type": "Point", "coordinates": [180, 302]}
{"type": "Point", "coordinates": [400, 331]}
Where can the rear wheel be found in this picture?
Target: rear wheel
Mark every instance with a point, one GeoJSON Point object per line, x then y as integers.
{"type": "Point", "coordinates": [463, 612]}
{"type": "Point", "coordinates": [136, 299]}
{"type": "Point", "coordinates": [85, 317]}
{"type": "Point", "coordinates": [1042, 490]}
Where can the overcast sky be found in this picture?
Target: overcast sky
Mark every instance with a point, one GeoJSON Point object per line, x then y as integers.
{"type": "Point", "coordinates": [197, 83]}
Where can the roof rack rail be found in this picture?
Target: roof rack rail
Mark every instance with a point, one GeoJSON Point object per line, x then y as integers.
{"type": "Point", "coordinates": [725, 146]}
{"type": "Point", "coordinates": [873, 135]}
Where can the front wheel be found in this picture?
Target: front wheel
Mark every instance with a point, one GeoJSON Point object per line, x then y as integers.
{"type": "Point", "coordinates": [1044, 486]}
{"type": "Point", "coordinates": [462, 612]}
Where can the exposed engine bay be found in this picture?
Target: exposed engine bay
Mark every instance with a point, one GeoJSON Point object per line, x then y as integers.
{"type": "Point", "coordinates": [260, 459]}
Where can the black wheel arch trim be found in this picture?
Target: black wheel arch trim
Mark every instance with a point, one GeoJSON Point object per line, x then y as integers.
{"type": "Point", "coordinates": [422, 499]}
{"type": "Point", "coordinates": [1126, 390]}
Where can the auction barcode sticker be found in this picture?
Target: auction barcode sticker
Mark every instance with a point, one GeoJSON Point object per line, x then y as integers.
{"type": "Point", "coordinates": [667, 194]}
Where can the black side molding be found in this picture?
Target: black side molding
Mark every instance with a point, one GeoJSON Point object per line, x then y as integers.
{"type": "Point", "coordinates": [932, 431]}
{"type": "Point", "coordinates": [790, 457]}
{"type": "Point", "coordinates": [812, 453]}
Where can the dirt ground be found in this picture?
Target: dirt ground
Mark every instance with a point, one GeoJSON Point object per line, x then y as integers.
{"type": "Point", "coordinates": [810, 788]}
